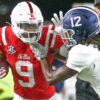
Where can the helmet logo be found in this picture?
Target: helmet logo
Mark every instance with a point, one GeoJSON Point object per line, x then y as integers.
{"type": "Point", "coordinates": [32, 17]}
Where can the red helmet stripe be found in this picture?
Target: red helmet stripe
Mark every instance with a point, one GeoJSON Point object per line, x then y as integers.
{"type": "Point", "coordinates": [31, 9]}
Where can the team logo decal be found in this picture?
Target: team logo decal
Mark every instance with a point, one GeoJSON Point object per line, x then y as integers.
{"type": "Point", "coordinates": [11, 49]}
{"type": "Point", "coordinates": [24, 56]}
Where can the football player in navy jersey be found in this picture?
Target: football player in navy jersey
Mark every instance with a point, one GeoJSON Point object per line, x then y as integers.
{"type": "Point", "coordinates": [81, 28]}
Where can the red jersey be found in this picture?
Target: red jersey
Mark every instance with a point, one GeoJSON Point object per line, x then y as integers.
{"type": "Point", "coordinates": [29, 81]}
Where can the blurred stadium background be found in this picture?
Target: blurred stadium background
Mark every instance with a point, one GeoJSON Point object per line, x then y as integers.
{"type": "Point", "coordinates": [48, 7]}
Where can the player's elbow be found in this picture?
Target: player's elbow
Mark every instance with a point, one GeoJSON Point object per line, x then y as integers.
{"type": "Point", "coordinates": [49, 78]}
{"type": "Point", "coordinates": [50, 81]}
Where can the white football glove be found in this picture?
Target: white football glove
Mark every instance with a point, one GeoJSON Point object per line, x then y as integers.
{"type": "Point", "coordinates": [39, 50]}
{"type": "Point", "coordinates": [58, 21]}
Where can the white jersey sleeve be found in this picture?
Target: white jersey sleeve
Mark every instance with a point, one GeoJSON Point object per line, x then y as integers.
{"type": "Point", "coordinates": [79, 58]}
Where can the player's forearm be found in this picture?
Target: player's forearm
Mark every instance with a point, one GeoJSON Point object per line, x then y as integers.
{"type": "Point", "coordinates": [51, 76]}
{"type": "Point", "coordinates": [55, 76]}
{"type": "Point", "coordinates": [47, 70]}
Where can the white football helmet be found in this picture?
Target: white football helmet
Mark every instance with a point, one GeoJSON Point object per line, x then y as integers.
{"type": "Point", "coordinates": [27, 22]}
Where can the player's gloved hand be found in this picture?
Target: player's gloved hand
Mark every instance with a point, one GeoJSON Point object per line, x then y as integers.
{"type": "Point", "coordinates": [58, 21]}
{"type": "Point", "coordinates": [39, 50]}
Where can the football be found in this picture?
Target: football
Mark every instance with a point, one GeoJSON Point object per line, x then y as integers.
{"type": "Point", "coordinates": [4, 68]}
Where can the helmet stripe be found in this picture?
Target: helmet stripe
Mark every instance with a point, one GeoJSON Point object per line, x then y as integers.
{"type": "Point", "coordinates": [31, 9]}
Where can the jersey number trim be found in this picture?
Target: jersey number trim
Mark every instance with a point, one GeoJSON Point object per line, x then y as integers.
{"type": "Point", "coordinates": [28, 74]}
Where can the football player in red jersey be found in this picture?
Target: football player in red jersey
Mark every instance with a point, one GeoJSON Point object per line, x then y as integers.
{"type": "Point", "coordinates": [18, 43]}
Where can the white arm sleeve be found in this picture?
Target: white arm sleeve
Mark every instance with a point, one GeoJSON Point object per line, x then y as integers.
{"type": "Point", "coordinates": [79, 58]}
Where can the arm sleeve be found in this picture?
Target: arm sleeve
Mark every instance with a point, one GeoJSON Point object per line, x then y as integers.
{"type": "Point", "coordinates": [79, 58]}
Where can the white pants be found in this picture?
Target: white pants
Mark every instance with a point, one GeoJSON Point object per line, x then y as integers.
{"type": "Point", "coordinates": [17, 97]}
